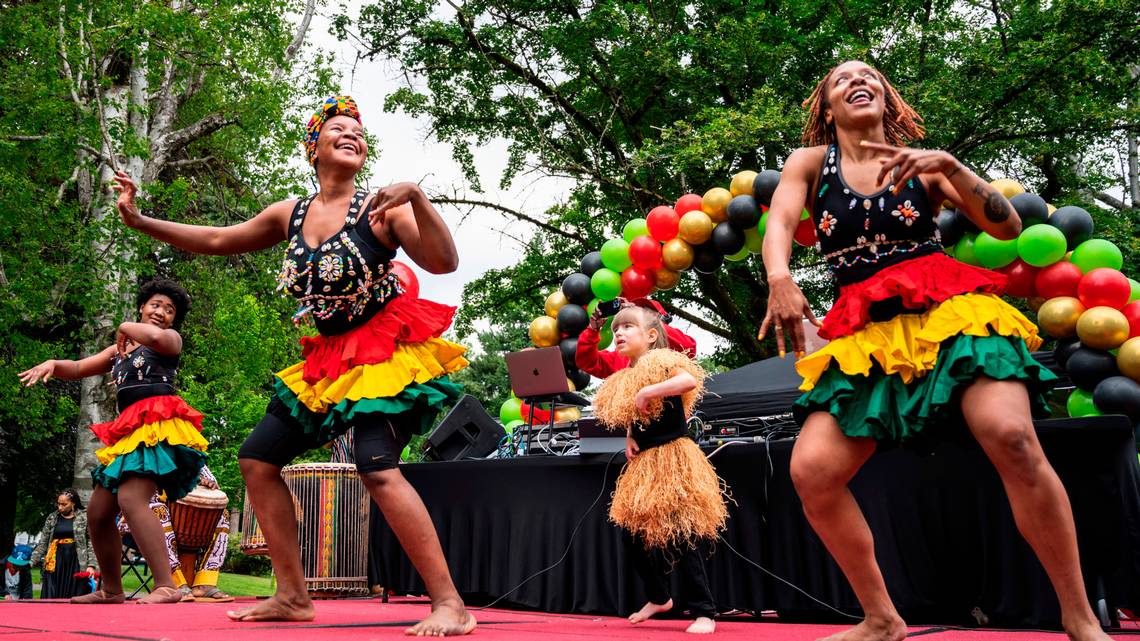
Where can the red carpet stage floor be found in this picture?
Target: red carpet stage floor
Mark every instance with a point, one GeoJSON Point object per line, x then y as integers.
{"type": "Point", "coordinates": [365, 620]}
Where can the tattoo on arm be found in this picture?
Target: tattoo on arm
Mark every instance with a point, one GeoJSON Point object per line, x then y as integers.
{"type": "Point", "coordinates": [996, 208]}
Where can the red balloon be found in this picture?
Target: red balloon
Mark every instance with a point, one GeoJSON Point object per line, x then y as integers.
{"type": "Point", "coordinates": [645, 252]}
{"type": "Point", "coordinates": [407, 278]}
{"type": "Point", "coordinates": [540, 415]}
{"type": "Point", "coordinates": [636, 283]}
{"type": "Point", "coordinates": [1022, 279]}
{"type": "Point", "coordinates": [1059, 279]}
{"type": "Point", "coordinates": [686, 204]}
{"type": "Point", "coordinates": [1132, 313]}
{"type": "Point", "coordinates": [805, 233]}
{"type": "Point", "coordinates": [662, 222]}
{"type": "Point", "coordinates": [1104, 287]}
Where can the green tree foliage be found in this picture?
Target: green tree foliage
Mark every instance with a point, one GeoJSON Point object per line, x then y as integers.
{"type": "Point", "coordinates": [641, 102]}
{"type": "Point", "coordinates": [203, 104]}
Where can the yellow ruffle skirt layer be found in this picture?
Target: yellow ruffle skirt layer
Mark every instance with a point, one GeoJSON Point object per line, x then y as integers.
{"type": "Point", "coordinates": [174, 431]}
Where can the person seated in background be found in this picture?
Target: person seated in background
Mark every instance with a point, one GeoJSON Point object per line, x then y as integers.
{"type": "Point", "coordinates": [208, 565]}
{"type": "Point", "coordinates": [18, 574]}
{"type": "Point", "coordinates": [603, 363]}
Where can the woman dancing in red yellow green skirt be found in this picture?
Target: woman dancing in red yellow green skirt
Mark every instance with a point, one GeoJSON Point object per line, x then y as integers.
{"type": "Point", "coordinates": [916, 338]}
{"type": "Point", "coordinates": [378, 363]}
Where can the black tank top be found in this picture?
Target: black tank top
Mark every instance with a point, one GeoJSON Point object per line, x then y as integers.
{"type": "Point", "coordinates": [860, 234]}
{"type": "Point", "coordinates": [670, 426]}
{"type": "Point", "coordinates": [343, 282]}
{"type": "Point", "coordinates": [141, 374]}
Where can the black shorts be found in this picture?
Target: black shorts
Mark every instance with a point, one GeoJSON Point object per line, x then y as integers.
{"type": "Point", "coordinates": [280, 438]}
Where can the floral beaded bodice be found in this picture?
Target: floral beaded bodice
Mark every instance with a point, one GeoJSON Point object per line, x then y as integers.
{"type": "Point", "coordinates": [860, 234]}
{"type": "Point", "coordinates": [143, 373]}
{"type": "Point", "coordinates": [346, 279]}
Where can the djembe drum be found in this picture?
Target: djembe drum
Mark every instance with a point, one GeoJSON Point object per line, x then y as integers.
{"type": "Point", "coordinates": [332, 527]}
{"type": "Point", "coordinates": [252, 540]}
{"type": "Point", "coordinates": [194, 518]}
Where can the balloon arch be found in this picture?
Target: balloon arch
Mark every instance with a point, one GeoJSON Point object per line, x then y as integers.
{"type": "Point", "coordinates": [1071, 279]}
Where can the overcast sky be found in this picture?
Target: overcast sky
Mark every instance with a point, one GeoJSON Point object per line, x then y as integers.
{"type": "Point", "coordinates": [407, 152]}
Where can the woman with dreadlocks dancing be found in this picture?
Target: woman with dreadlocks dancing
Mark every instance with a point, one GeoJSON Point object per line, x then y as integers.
{"type": "Point", "coordinates": [917, 339]}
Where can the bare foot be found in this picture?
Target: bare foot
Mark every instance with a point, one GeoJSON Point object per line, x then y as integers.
{"type": "Point", "coordinates": [447, 619]}
{"type": "Point", "coordinates": [162, 594]}
{"type": "Point", "coordinates": [873, 629]}
{"type": "Point", "coordinates": [276, 608]}
{"type": "Point", "coordinates": [703, 625]}
{"type": "Point", "coordinates": [1087, 632]}
{"type": "Point", "coordinates": [648, 610]}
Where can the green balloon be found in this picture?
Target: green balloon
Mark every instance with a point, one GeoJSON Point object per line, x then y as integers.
{"type": "Point", "coordinates": [754, 238]}
{"type": "Point", "coordinates": [510, 427]}
{"type": "Point", "coordinates": [1041, 245]}
{"type": "Point", "coordinates": [763, 226]}
{"type": "Point", "coordinates": [964, 250]}
{"type": "Point", "coordinates": [593, 305]}
{"type": "Point", "coordinates": [510, 410]}
{"type": "Point", "coordinates": [1080, 402]}
{"type": "Point", "coordinates": [1135, 290]}
{"type": "Point", "coordinates": [993, 253]}
{"type": "Point", "coordinates": [804, 215]}
{"type": "Point", "coordinates": [406, 454]}
{"type": "Point", "coordinates": [606, 336]}
{"type": "Point", "coordinates": [740, 255]}
{"type": "Point", "coordinates": [1095, 253]}
{"type": "Point", "coordinates": [606, 283]}
{"type": "Point", "coordinates": [634, 228]}
{"type": "Point", "coordinates": [615, 255]}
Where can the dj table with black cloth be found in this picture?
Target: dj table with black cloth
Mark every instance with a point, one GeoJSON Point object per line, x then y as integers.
{"type": "Point", "coordinates": [944, 534]}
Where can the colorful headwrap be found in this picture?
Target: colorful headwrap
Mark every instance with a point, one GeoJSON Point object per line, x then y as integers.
{"type": "Point", "coordinates": [334, 106]}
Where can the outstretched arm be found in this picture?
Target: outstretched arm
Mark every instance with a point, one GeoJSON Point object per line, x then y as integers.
{"type": "Point", "coordinates": [416, 226]}
{"type": "Point", "coordinates": [266, 229]}
{"type": "Point", "coordinates": [69, 370]}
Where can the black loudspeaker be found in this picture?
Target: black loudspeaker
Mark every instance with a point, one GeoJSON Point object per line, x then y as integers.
{"type": "Point", "coordinates": [466, 432]}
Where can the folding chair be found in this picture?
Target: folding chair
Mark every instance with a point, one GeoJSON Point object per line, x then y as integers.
{"type": "Point", "coordinates": [133, 560]}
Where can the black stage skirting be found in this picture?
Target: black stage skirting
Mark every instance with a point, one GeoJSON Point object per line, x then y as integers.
{"type": "Point", "coordinates": [943, 530]}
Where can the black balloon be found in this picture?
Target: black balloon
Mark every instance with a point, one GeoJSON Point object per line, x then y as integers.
{"type": "Point", "coordinates": [1031, 208]}
{"type": "Point", "coordinates": [579, 378]}
{"type": "Point", "coordinates": [765, 185]}
{"type": "Point", "coordinates": [706, 259]}
{"type": "Point", "coordinates": [727, 238]}
{"type": "Point", "coordinates": [743, 213]}
{"type": "Point", "coordinates": [572, 319]}
{"type": "Point", "coordinates": [591, 263]}
{"type": "Point", "coordinates": [577, 289]}
{"type": "Point", "coordinates": [1064, 349]}
{"type": "Point", "coordinates": [950, 227]}
{"type": "Point", "coordinates": [1118, 395]}
{"type": "Point", "coordinates": [1076, 223]}
{"type": "Point", "coordinates": [1087, 367]}
{"type": "Point", "coordinates": [569, 347]}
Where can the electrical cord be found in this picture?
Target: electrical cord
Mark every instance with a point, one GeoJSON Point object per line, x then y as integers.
{"type": "Point", "coordinates": [569, 544]}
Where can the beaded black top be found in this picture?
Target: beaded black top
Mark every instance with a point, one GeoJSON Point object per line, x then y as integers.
{"type": "Point", "coordinates": [668, 427]}
{"type": "Point", "coordinates": [344, 281]}
{"type": "Point", "coordinates": [860, 234]}
{"type": "Point", "coordinates": [143, 373]}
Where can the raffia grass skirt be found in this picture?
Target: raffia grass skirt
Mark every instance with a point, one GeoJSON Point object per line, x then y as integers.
{"type": "Point", "coordinates": [670, 495]}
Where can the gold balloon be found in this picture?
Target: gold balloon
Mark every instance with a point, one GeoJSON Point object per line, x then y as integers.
{"type": "Point", "coordinates": [1008, 187]}
{"type": "Point", "coordinates": [676, 254]}
{"type": "Point", "coordinates": [1051, 208]}
{"type": "Point", "coordinates": [1058, 316]}
{"type": "Point", "coordinates": [742, 183]}
{"type": "Point", "coordinates": [570, 385]}
{"type": "Point", "coordinates": [1102, 328]}
{"type": "Point", "coordinates": [567, 414]}
{"type": "Point", "coordinates": [695, 227]}
{"type": "Point", "coordinates": [1035, 303]}
{"type": "Point", "coordinates": [665, 278]}
{"type": "Point", "coordinates": [554, 302]}
{"type": "Point", "coordinates": [1128, 358]}
{"type": "Point", "coordinates": [544, 332]}
{"type": "Point", "coordinates": [715, 204]}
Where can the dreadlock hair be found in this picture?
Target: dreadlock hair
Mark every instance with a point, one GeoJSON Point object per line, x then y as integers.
{"type": "Point", "coordinates": [73, 494]}
{"type": "Point", "coordinates": [172, 290]}
{"type": "Point", "coordinates": [901, 123]}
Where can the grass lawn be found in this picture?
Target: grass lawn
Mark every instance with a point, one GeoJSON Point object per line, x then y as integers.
{"type": "Point", "coordinates": [235, 584]}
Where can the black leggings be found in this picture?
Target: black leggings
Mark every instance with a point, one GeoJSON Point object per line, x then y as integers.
{"type": "Point", "coordinates": [653, 566]}
{"type": "Point", "coordinates": [279, 438]}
